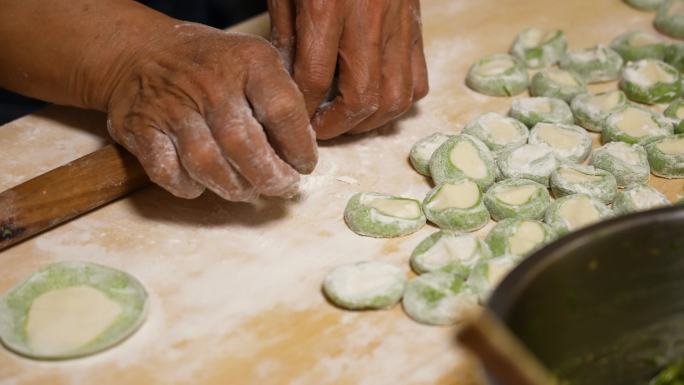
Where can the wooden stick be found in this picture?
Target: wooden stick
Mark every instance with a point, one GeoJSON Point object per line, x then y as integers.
{"type": "Point", "coordinates": [67, 192]}
{"type": "Point", "coordinates": [501, 353]}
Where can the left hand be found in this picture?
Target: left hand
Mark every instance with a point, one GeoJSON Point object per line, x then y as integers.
{"type": "Point", "coordinates": [376, 47]}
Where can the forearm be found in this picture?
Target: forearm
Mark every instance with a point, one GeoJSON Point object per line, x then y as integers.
{"type": "Point", "coordinates": [72, 52]}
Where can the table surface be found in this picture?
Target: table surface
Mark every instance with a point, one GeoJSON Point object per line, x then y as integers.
{"type": "Point", "coordinates": [235, 288]}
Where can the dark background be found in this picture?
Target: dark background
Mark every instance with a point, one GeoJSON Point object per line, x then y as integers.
{"type": "Point", "coordinates": [217, 13]}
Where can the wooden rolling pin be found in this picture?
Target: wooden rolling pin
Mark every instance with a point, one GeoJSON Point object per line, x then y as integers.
{"type": "Point", "coordinates": [67, 192]}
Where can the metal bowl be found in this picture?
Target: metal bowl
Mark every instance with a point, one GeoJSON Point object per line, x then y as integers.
{"type": "Point", "coordinates": [604, 305]}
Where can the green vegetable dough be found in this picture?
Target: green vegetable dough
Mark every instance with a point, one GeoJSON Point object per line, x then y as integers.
{"type": "Point", "coordinates": [672, 374]}
{"type": "Point", "coordinates": [463, 156]}
{"type": "Point", "coordinates": [487, 274]}
{"type": "Point", "coordinates": [449, 251]}
{"type": "Point", "coordinates": [383, 216]}
{"type": "Point", "coordinates": [569, 143]}
{"type": "Point", "coordinates": [438, 298]}
{"type": "Point", "coordinates": [674, 56]}
{"type": "Point", "coordinates": [557, 83]}
{"type": "Point", "coordinates": [365, 285]}
{"type": "Point", "coordinates": [571, 179]}
{"type": "Point", "coordinates": [669, 19]}
{"type": "Point", "coordinates": [498, 75]}
{"type": "Point", "coordinates": [634, 124]}
{"type": "Point", "coordinates": [71, 309]}
{"type": "Point", "coordinates": [638, 198]}
{"type": "Point", "coordinates": [595, 65]}
{"type": "Point", "coordinates": [531, 111]}
{"type": "Point", "coordinates": [675, 112]}
{"type": "Point", "coordinates": [666, 156]}
{"type": "Point", "coordinates": [538, 48]}
{"type": "Point", "coordinates": [422, 151]}
{"type": "Point", "coordinates": [591, 109]}
{"type": "Point", "coordinates": [637, 45]}
{"type": "Point", "coordinates": [650, 81]}
{"type": "Point", "coordinates": [573, 212]}
{"type": "Point", "coordinates": [517, 198]}
{"type": "Point", "coordinates": [456, 206]}
{"type": "Point", "coordinates": [499, 133]}
{"type": "Point", "coordinates": [645, 5]}
{"type": "Point", "coordinates": [531, 161]}
{"type": "Point", "coordinates": [518, 237]}
{"type": "Point", "coordinates": [628, 163]}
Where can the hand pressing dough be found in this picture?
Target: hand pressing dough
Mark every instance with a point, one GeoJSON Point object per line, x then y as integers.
{"type": "Point", "coordinates": [645, 5]}
{"type": "Point", "coordinates": [670, 18]}
{"type": "Point", "coordinates": [518, 237]}
{"type": "Point", "coordinates": [557, 83]}
{"type": "Point", "coordinates": [674, 56]}
{"type": "Point", "coordinates": [595, 65]}
{"type": "Point", "coordinates": [639, 198]}
{"type": "Point", "coordinates": [438, 298]}
{"type": "Point", "coordinates": [531, 111]}
{"type": "Point", "coordinates": [456, 206]}
{"type": "Point", "coordinates": [517, 198]}
{"type": "Point", "coordinates": [591, 109]}
{"type": "Point", "coordinates": [569, 143]}
{"type": "Point", "coordinates": [531, 161]}
{"type": "Point", "coordinates": [499, 133]}
{"type": "Point", "coordinates": [650, 81]}
{"type": "Point", "coordinates": [666, 156]}
{"type": "Point", "coordinates": [637, 45]}
{"type": "Point", "coordinates": [422, 151]}
{"type": "Point", "coordinates": [463, 156]}
{"type": "Point", "coordinates": [675, 112]}
{"type": "Point", "coordinates": [383, 216]}
{"type": "Point", "coordinates": [498, 75]}
{"type": "Point", "coordinates": [634, 124]}
{"type": "Point", "coordinates": [538, 48]}
{"type": "Point", "coordinates": [365, 285]}
{"type": "Point", "coordinates": [487, 274]}
{"type": "Point", "coordinates": [449, 251]}
{"type": "Point", "coordinates": [628, 163]}
{"type": "Point", "coordinates": [571, 179]}
{"type": "Point", "coordinates": [573, 212]}
{"type": "Point", "coordinates": [71, 309]}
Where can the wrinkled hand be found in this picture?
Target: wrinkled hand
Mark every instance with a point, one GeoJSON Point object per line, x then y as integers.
{"type": "Point", "coordinates": [202, 108]}
{"type": "Point", "coordinates": [376, 47]}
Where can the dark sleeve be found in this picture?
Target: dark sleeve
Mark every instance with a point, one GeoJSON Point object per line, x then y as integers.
{"type": "Point", "coordinates": [217, 13]}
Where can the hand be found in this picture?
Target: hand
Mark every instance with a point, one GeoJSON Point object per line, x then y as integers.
{"type": "Point", "coordinates": [375, 45]}
{"type": "Point", "coordinates": [203, 108]}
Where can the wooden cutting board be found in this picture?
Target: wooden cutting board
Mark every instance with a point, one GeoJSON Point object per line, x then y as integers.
{"type": "Point", "coordinates": [235, 289]}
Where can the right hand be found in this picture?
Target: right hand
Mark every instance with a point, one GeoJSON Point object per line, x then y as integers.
{"type": "Point", "coordinates": [203, 108]}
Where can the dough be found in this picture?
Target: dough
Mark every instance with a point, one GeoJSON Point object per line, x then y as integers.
{"type": "Point", "coordinates": [666, 156]}
{"type": "Point", "coordinates": [365, 285]}
{"type": "Point", "coordinates": [675, 112]}
{"type": "Point", "coordinates": [637, 45]}
{"type": "Point", "coordinates": [645, 5]}
{"type": "Point", "coordinates": [670, 18]}
{"type": "Point", "coordinates": [463, 156]}
{"type": "Point", "coordinates": [517, 198]}
{"type": "Point", "coordinates": [456, 206]}
{"type": "Point", "coordinates": [487, 274]}
{"type": "Point", "coordinates": [571, 179]}
{"type": "Point", "coordinates": [518, 237]}
{"type": "Point", "coordinates": [573, 212]}
{"type": "Point", "coordinates": [499, 133]}
{"type": "Point", "coordinates": [449, 251]}
{"type": "Point", "coordinates": [674, 56]}
{"type": "Point", "coordinates": [438, 298]}
{"type": "Point", "coordinates": [538, 48]}
{"type": "Point", "coordinates": [569, 143]}
{"type": "Point", "coordinates": [557, 83]}
{"type": "Point", "coordinates": [531, 111]}
{"type": "Point", "coordinates": [422, 151]}
{"type": "Point", "coordinates": [650, 81]}
{"type": "Point", "coordinates": [591, 109]}
{"type": "Point", "coordinates": [638, 198]}
{"type": "Point", "coordinates": [595, 65]}
{"type": "Point", "coordinates": [498, 75]}
{"type": "Point", "coordinates": [531, 161]}
{"type": "Point", "coordinates": [383, 216]}
{"type": "Point", "coordinates": [628, 163]}
{"type": "Point", "coordinates": [634, 124]}
{"type": "Point", "coordinates": [71, 309]}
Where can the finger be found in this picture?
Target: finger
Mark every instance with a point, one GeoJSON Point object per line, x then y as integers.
{"type": "Point", "coordinates": [359, 76]}
{"type": "Point", "coordinates": [318, 34]}
{"type": "Point", "coordinates": [283, 36]}
{"type": "Point", "coordinates": [419, 65]}
{"type": "Point", "coordinates": [158, 157]}
{"type": "Point", "coordinates": [201, 157]}
{"type": "Point", "coordinates": [279, 106]}
{"type": "Point", "coordinates": [243, 141]}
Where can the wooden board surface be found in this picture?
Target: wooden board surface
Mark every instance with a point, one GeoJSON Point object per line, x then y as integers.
{"type": "Point", "coordinates": [235, 289]}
